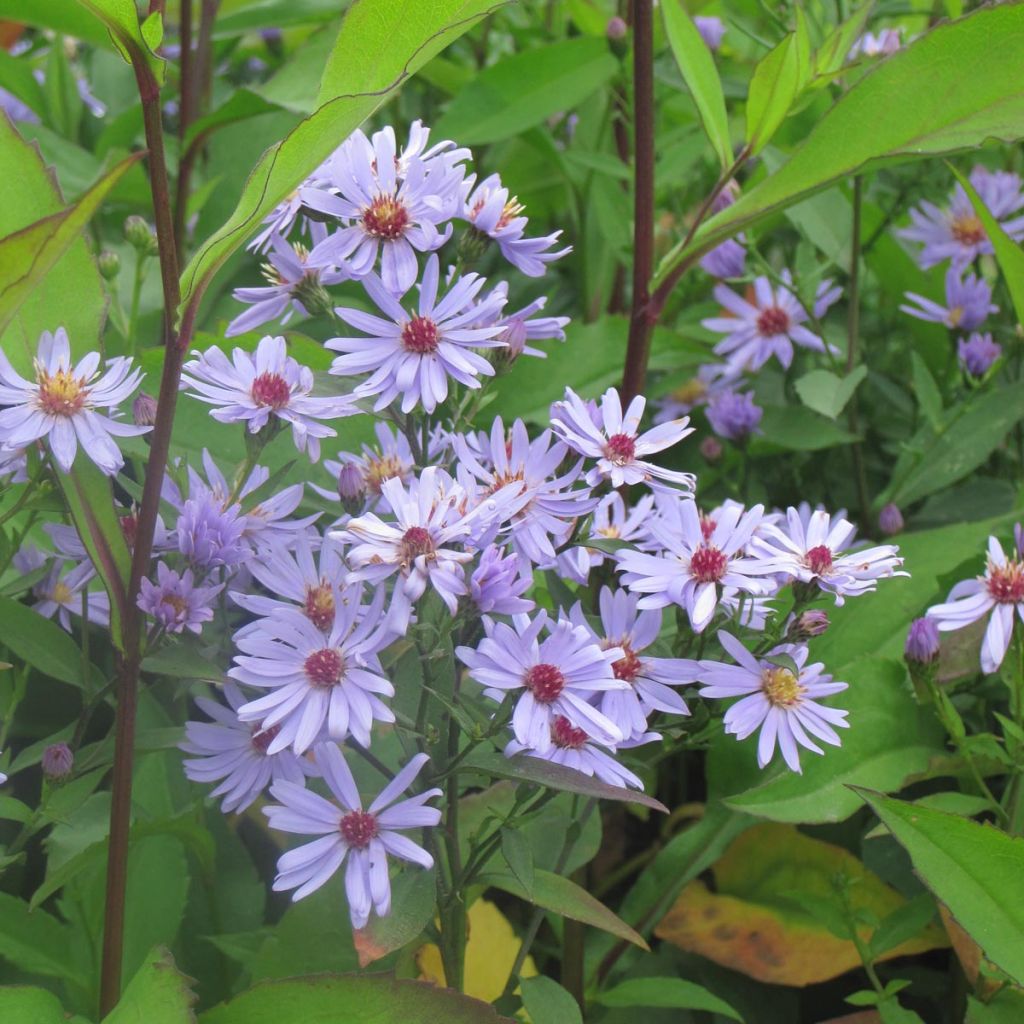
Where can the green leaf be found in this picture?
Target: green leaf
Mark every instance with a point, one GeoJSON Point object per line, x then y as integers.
{"type": "Point", "coordinates": [831, 55]}
{"type": "Point", "coordinates": [666, 993]}
{"type": "Point", "coordinates": [158, 994]}
{"type": "Point", "coordinates": [67, 17]}
{"type": "Point", "coordinates": [929, 398]}
{"type": "Point", "coordinates": [413, 900]}
{"type": "Point", "coordinates": [826, 393]}
{"type": "Point", "coordinates": [975, 870]}
{"type": "Point", "coordinates": [566, 898]}
{"type": "Point", "coordinates": [515, 848]}
{"type": "Point", "coordinates": [778, 78]}
{"type": "Point", "coordinates": [548, 1003]}
{"type": "Point", "coordinates": [915, 103]}
{"type": "Point", "coordinates": [796, 428]}
{"type": "Point", "coordinates": [35, 942]}
{"type": "Point", "coordinates": [697, 67]}
{"type": "Point", "coordinates": [27, 1005]}
{"type": "Point", "coordinates": [902, 924]}
{"type": "Point", "coordinates": [327, 999]}
{"type": "Point", "coordinates": [380, 45]}
{"type": "Point", "coordinates": [1005, 1007]}
{"type": "Point", "coordinates": [64, 103]}
{"type": "Point", "coordinates": [121, 18]}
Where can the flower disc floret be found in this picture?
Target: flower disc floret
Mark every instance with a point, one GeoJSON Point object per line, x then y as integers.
{"type": "Point", "coordinates": [781, 687]}
{"type": "Point", "coordinates": [545, 682]}
{"type": "Point", "coordinates": [708, 564]}
{"type": "Point", "coordinates": [358, 828]}
{"type": "Point", "coordinates": [566, 735]}
{"type": "Point", "coordinates": [386, 217]}
{"type": "Point", "coordinates": [819, 559]}
{"type": "Point", "coordinates": [1006, 582]}
{"type": "Point", "coordinates": [324, 667]}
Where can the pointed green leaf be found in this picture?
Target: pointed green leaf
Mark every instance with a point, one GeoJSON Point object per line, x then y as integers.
{"type": "Point", "coordinates": [778, 78]}
{"type": "Point", "coordinates": [158, 994]}
{"type": "Point", "coordinates": [826, 393]}
{"type": "Point", "coordinates": [548, 1003]}
{"type": "Point", "coordinates": [666, 993]}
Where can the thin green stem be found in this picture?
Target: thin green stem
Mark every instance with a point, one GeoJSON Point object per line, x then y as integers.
{"type": "Point", "coordinates": [852, 347]}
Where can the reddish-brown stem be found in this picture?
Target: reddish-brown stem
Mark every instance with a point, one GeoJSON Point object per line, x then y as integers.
{"type": "Point", "coordinates": [640, 323]}
{"type": "Point", "coordinates": [186, 108]}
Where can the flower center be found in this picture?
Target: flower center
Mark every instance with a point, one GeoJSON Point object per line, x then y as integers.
{"type": "Point", "coordinates": [62, 394]}
{"type": "Point", "coordinates": [707, 564]}
{"type": "Point", "coordinates": [819, 559]}
{"type": "Point", "coordinates": [781, 687]}
{"type": "Point", "coordinates": [262, 738]}
{"type": "Point", "coordinates": [176, 603]}
{"type": "Point", "coordinates": [61, 592]}
{"type": "Point", "coordinates": [420, 336]}
{"type": "Point", "coordinates": [545, 682]}
{"type": "Point", "coordinates": [416, 541]}
{"type": "Point", "coordinates": [628, 667]}
{"type": "Point", "coordinates": [707, 526]}
{"type": "Point", "coordinates": [386, 217]}
{"type": "Point", "coordinates": [620, 449]}
{"type": "Point", "coordinates": [565, 734]}
{"type": "Point", "coordinates": [1006, 582]}
{"type": "Point", "coordinates": [320, 605]}
{"type": "Point", "coordinates": [271, 389]}
{"type": "Point", "coordinates": [324, 667]}
{"type": "Point", "coordinates": [357, 828]}
{"type": "Point", "coordinates": [691, 392]}
{"type": "Point", "coordinates": [509, 211]}
{"type": "Point", "coordinates": [956, 314]}
{"type": "Point", "coordinates": [968, 229]}
{"type": "Point", "coordinates": [773, 321]}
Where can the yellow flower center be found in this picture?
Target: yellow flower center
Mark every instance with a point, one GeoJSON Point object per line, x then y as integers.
{"type": "Point", "coordinates": [61, 394]}
{"type": "Point", "coordinates": [781, 687]}
{"type": "Point", "coordinates": [62, 592]}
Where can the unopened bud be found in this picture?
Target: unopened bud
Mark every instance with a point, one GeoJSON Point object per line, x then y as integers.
{"type": "Point", "coordinates": [109, 264]}
{"type": "Point", "coordinates": [711, 449]}
{"type": "Point", "coordinates": [57, 762]}
{"type": "Point", "coordinates": [351, 487]}
{"type": "Point", "coordinates": [922, 646]}
{"type": "Point", "coordinates": [806, 625]}
{"type": "Point", "coordinates": [144, 410]}
{"type": "Point", "coordinates": [140, 236]}
{"type": "Point", "coordinates": [313, 295]}
{"type": "Point", "coordinates": [890, 519]}
{"type": "Point", "coordinates": [616, 32]}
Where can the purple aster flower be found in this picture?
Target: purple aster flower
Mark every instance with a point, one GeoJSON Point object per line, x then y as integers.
{"type": "Point", "coordinates": [279, 222]}
{"type": "Point", "coordinates": [922, 644]}
{"type": "Point", "coordinates": [650, 680]}
{"type": "Point", "coordinates": [812, 551]}
{"type": "Point", "coordinates": [175, 601]}
{"type": "Point", "coordinates": [14, 464]}
{"type": "Point", "coordinates": [390, 458]}
{"type": "Point", "coordinates": [696, 565]}
{"type": "Point", "coordinates": [617, 443]}
{"type": "Point", "coordinates": [252, 388]}
{"type": "Point", "coordinates": [955, 233]}
{"type": "Point", "coordinates": [781, 702]}
{"type": "Point", "coordinates": [711, 379]}
{"type": "Point", "coordinates": [559, 675]}
{"type": "Point", "coordinates": [522, 327]}
{"type": "Point", "coordinates": [414, 353]}
{"type": "Point", "coordinates": [733, 415]}
{"type": "Point", "coordinates": [725, 261]}
{"type": "Point", "coordinates": [998, 593]}
{"type": "Point", "coordinates": [612, 520]}
{"type": "Point", "coordinates": [806, 625]}
{"type": "Point", "coordinates": [61, 404]}
{"type": "Point", "coordinates": [497, 584]}
{"type": "Point", "coordinates": [59, 593]}
{"type": "Point", "coordinates": [768, 326]}
{"type": "Point", "coordinates": [711, 30]}
{"type": "Point", "coordinates": [346, 830]}
{"type": "Point", "coordinates": [209, 534]}
{"type": "Point", "coordinates": [978, 353]}
{"type": "Point", "coordinates": [318, 680]}
{"type": "Point", "coordinates": [827, 294]}
{"type": "Point", "coordinates": [968, 302]}
{"type": "Point", "coordinates": [234, 753]}
{"type": "Point", "coordinates": [489, 209]}
{"type": "Point", "coordinates": [883, 44]}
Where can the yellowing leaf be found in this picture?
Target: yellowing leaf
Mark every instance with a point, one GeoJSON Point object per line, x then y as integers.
{"type": "Point", "coordinates": [759, 921]}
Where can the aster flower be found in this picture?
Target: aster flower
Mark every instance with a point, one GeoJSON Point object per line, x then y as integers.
{"type": "Point", "coordinates": [524, 326]}
{"type": "Point", "coordinates": [251, 389]}
{"type": "Point", "coordinates": [711, 30]}
{"type": "Point", "coordinates": [812, 551]}
{"type": "Point", "coordinates": [712, 379]}
{"type": "Point", "coordinates": [733, 415]}
{"type": "Point", "coordinates": [14, 465]}
{"type": "Point", "coordinates": [997, 594]}
{"type": "Point", "coordinates": [883, 44]}
{"type": "Point", "coordinates": [318, 679]}
{"type": "Point", "coordinates": [59, 594]}
{"type": "Point", "coordinates": [617, 443]}
{"type": "Point", "coordinates": [497, 584]}
{"type": "Point", "coordinates": [725, 261]}
{"type": "Point", "coordinates": [413, 354]}
{"type": "Point", "coordinates": [488, 207]}
{"type": "Point", "coordinates": [61, 404]}
{"type": "Point", "coordinates": [781, 702]}
{"type": "Point", "coordinates": [365, 838]}
{"type": "Point", "coordinates": [557, 676]}
{"type": "Point", "coordinates": [696, 566]}
{"type": "Point", "coordinates": [234, 753]}
{"type": "Point", "coordinates": [978, 353]}
{"type": "Point", "coordinates": [390, 458]}
{"type": "Point", "coordinates": [768, 326]}
{"type": "Point", "coordinates": [826, 295]}
{"type": "Point", "coordinates": [175, 601]}
{"type": "Point", "coordinates": [612, 520]}
{"type": "Point", "coordinates": [968, 302]}
{"type": "Point", "coordinates": [955, 233]}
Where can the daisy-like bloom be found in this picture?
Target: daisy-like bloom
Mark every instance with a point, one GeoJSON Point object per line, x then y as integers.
{"type": "Point", "coordinates": [998, 593]}
{"type": "Point", "coordinates": [650, 679]}
{"type": "Point", "coordinates": [978, 353]}
{"type": "Point", "coordinates": [391, 207]}
{"type": "Point", "coordinates": [175, 601]}
{"type": "Point", "coordinates": [413, 354]}
{"type": "Point", "coordinates": [293, 286]}
{"type": "Point", "coordinates": [733, 415]}
{"type": "Point", "coordinates": [612, 521]}
{"type": "Point", "coordinates": [61, 404]}
{"type": "Point", "coordinates": [14, 465]}
{"type": "Point", "coordinates": [812, 551]}
{"type": "Point", "coordinates": [711, 379]}
{"type": "Point", "coordinates": [493, 213]}
{"type": "Point", "coordinates": [725, 261]}
{"type": "Point", "coordinates": [955, 233]}
{"type": "Point", "coordinates": [317, 679]}
{"type": "Point", "coordinates": [346, 830]}
{"type": "Point", "coordinates": [251, 388]}
{"type": "Point", "coordinates": [59, 594]}
{"type": "Point", "coordinates": [559, 675]}
{"type": "Point", "coordinates": [697, 567]}
{"type": "Point", "coordinates": [234, 753]}
{"type": "Point", "coordinates": [617, 443]}
{"type": "Point", "coordinates": [781, 702]}
{"type": "Point", "coordinates": [523, 326]}
{"type": "Point", "coordinates": [827, 294]}
{"type": "Point", "coordinates": [871, 45]}
{"type": "Point", "coordinates": [497, 584]}
{"type": "Point", "coordinates": [711, 30]}
{"type": "Point", "coordinates": [968, 302]}
{"type": "Point", "coordinates": [279, 222]}
{"type": "Point", "coordinates": [769, 325]}
{"type": "Point", "coordinates": [390, 458]}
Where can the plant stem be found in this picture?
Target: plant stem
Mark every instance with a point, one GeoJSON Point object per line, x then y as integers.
{"type": "Point", "coordinates": [186, 114]}
{"type": "Point", "coordinates": [852, 345]}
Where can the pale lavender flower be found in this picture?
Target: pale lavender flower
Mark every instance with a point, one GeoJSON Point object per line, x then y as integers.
{"type": "Point", "coordinates": [251, 388]}
{"type": "Point", "coordinates": [612, 520]}
{"type": "Point", "coordinates": [60, 593]}
{"type": "Point", "coordinates": [886, 42]}
{"type": "Point", "coordinates": [827, 294]}
{"type": "Point", "coordinates": [781, 702]}
{"type": "Point", "coordinates": [711, 30]}
{"type": "Point", "coordinates": [733, 415]}
{"type": "Point", "coordinates": [497, 584]}
{"type": "Point", "coordinates": [365, 838]}
{"type": "Point", "coordinates": [968, 302]}
{"type": "Point", "coordinates": [978, 353]}
{"type": "Point", "coordinates": [616, 442]}
{"type": "Point", "coordinates": [998, 593]}
{"type": "Point", "coordinates": [922, 643]}
{"type": "Point", "coordinates": [234, 753]}
{"type": "Point", "coordinates": [318, 680]}
{"type": "Point", "coordinates": [523, 326]}
{"type": "Point", "coordinates": [279, 222]}
{"type": "Point", "coordinates": [558, 675]}
{"type": "Point", "coordinates": [413, 354]}
{"type": "Point", "coordinates": [210, 534]}
{"type": "Point", "coordinates": [14, 464]}
{"type": "Point", "coordinates": [391, 458]}
{"type": "Point", "coordinates": [175, 601]}
{"type": "Point", "coordinates": [770, 326]}
{"type": "Point", "coordinates": [725, 261]}
{"type": "Point", "coordinates": [712, 379]}
{"type": "Point", "coordinates": [61, 404]}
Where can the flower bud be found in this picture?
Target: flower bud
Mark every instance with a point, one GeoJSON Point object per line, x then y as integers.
{"type": "Point", "coordinates": [922, 646]}
{"type": "Point", "coordinates": [806, 625]}
{"type": "Point", "coordinates": [890, 519]}
{"type": "Point", "coordinates": [315, 298]}
{"type": "Point", "coordinates": [144, 410]}
{"type": "Point", "coordinates": [616, 32]}
{"type": "Point", "coordinates": [351, 487]}
{"type": "Point", "coordinates": [140, 236]}
{"type": "Point", "coordinates": [711, 449]}
{"type": "Point", "coordinates": [57, 762]}
{"type": "Point", "coordinates": [109, 264]}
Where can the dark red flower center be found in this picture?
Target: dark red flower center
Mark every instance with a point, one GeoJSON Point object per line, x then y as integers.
{"type": "Point", "coordinates": [357, 828]}
{"type": "Point", "coordinates": [773, 321]}
{"type": "Point", "coordinates": [819, 559]}
{"type": "Point", "coordinates": [420, 336]}
{"type": "Point", "coordinates": [320, 605]}
{"type": "Point", "coordinates": [324, 667]}
{"type": "Point", "coordinates": [1006, 582]}
{"type": "Point", "coordinates": [262, 738]}
{"type": "Point", "coordinates": [620, 449]}
{"type": "Point", "coordinates": [708, 564]}
{"type": "Point", "coordinates": [968, 230]}
{"type": "Point", "coordinates": [416, 541]}
{"type": "Point", "coordinates": [565, 734]}
{"type": "Point", "coordinates": [545, 682]}
{"type": "Point", "coordinates": [629, 667]}
{"type": "Point", "coordinates": [707, 526]}
{"type": "Point", "coordinates": [271, 389]}
{"type": "Point", "coordinates": [386, 217]}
